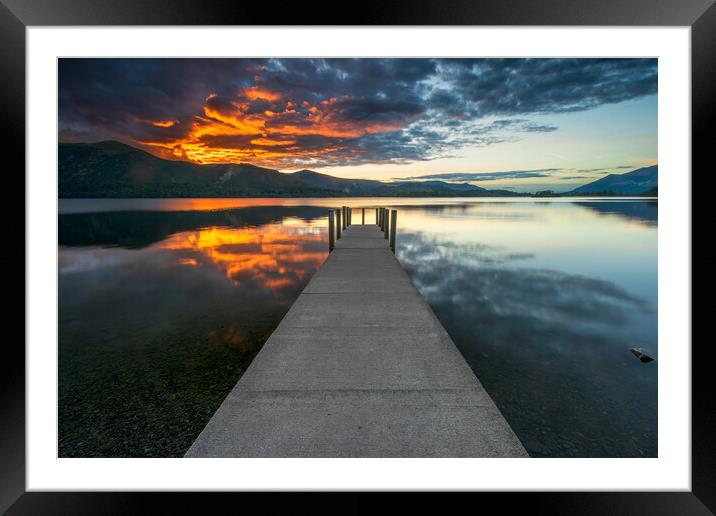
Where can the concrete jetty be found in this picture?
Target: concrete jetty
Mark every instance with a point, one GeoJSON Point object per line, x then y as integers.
{"type": "Point", "coordinates": [359, 367]}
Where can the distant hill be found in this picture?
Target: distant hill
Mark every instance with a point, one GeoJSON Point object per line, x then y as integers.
{"type": "Point", "coordinates": [367, 187]}
{"type": "Point", "coordinates": [637, 182]}
{"type": "Point", "coordinates": [438, 189]}
{"type": "Point", "coordinates": [462, 187]}
{"type": "Point", "coordinates": [113, 169]}
{"type": "Point", "coordinates": [346, 186]}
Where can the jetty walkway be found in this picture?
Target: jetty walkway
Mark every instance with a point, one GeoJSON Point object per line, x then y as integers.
{"type": "Point", "coordinates": [359, 367]}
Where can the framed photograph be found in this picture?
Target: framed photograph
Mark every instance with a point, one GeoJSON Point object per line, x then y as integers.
{"type": "Point", "coordinates": [422, 251]}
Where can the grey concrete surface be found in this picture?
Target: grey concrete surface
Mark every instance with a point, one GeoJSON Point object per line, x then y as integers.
{"type": "Point", "coordinates": [359, 367]}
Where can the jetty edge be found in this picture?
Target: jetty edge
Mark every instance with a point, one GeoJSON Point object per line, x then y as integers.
{"type": "Point", "coordinates": [359, 366]}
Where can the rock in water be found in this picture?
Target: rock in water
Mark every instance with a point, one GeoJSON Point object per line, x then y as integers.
{"type": "Point", "coordinates": [639, 353]}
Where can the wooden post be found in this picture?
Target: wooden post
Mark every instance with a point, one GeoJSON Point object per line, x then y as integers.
{"type": "Point", "coordinates": [387, 223]}
{"type": "Point", "coordinates": [331, 236]}
{"type": "Point", "coordinates": [394, 217]}
{"type": "Point", "coordinates": [380, 218]}
{"type": "Point", "coordinates": [376, 216]}
{"type": "Point", "coordinates": [363, 219]}
{"type": "Point", "coordinates": [350, 216]}
{"type": "Point", "coordinates": [338, 224]}
{"type": "Point", "coordinates": [345, 217]}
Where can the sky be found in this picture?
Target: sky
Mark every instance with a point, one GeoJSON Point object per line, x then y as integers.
{"type": "Point", "coordinates": [519, 124]}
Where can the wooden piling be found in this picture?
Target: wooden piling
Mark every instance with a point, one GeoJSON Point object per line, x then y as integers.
{"type": "Point", "coordinates": [338, 223]}
{"type": "Point", "coordinates": [387, 224]}
{"type": "Point", "coordinates": [394, 217]}
{"type": "Point", "coordinates": [363, 219]}
{"type": "Point", "coordinates": [331, 236]}
{"type": "Point", "coordinates": [376, 216]}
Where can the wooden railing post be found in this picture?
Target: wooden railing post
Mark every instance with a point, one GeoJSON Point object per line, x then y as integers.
{"type": "Point", "coordinates": [363, 219]}
{"type": "Point", "coordinates": [394, 217]}
{"type": "Point", "coordinates": [376, 216]}
{"type": "Point", "coordinates": [338, 223]}
{"type": "Point", "coordinates": [331, 235]}
{"type": "Point", "coordinates": [387, 223]}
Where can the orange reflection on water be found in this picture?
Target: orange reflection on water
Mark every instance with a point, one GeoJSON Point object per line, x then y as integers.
{"type": "Point", "coordinates": [277, 256]}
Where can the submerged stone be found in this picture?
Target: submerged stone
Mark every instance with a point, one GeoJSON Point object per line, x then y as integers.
{"type": "Point", "coordinates": [639, 353]}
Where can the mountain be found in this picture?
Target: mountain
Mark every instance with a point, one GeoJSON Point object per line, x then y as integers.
{"type": "Point", "coordinates": [346, 186]}
{"type": "Point", "coordinates": [463, 187]}
{"type": "Point", "coordinates": [367, 187]}
{"type": "Point", "coordinates": [637, 182]}
{"type": "Point", "coordinates": [437, 189]}
{"type": "Point", "coordinates": [113, 169]}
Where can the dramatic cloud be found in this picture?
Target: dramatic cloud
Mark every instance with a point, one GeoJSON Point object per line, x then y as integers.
{"type": "Point", "coordinates": [291, 113]}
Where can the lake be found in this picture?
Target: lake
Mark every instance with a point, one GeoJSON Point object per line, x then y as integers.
{"type": "Point", "coordinates": [164, 303]}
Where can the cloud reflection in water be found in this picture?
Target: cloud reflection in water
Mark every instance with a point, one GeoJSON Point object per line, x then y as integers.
{"type": "Point", "coordinates": [549, 346]}
{"type": "Point", "coordinates": [161, 312]}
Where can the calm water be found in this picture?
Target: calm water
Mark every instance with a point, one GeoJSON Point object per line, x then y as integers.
{"type": "Point", "coordinates": [163, 304]}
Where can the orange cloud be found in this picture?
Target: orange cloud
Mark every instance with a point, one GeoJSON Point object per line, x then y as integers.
{"type": "Point", "coordinates": [268, 142]}
{"type": "Point", "coordinates": [257, 92]}
{"type": "Point", "coordinates": [163, 123]}
{"type": "Point", "coordinates": [156, 123]}
{"type": "Point", "coordinates": [262, 127]}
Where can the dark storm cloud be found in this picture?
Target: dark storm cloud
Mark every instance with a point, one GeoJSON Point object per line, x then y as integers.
{"type": "Point", "coordinates": [520, 86]}
{"type": "Point", "coordinates": [292, 112]}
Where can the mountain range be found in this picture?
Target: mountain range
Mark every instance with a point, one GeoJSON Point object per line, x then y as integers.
{"type": "Point", "coordinates": [642, 181]}
{"type": "Point", "coordinates": [111, 169]}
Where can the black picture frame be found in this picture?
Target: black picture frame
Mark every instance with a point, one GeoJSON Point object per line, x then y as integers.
{"type": "Point", "coordinates": [16, 15]}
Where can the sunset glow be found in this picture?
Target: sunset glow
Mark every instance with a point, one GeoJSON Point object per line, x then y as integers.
{"type": "Point", "coordinates": [275, 256]}
{"type": "Point", "coordinates": [558, 122]}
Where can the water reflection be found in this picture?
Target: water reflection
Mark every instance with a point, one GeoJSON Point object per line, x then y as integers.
{"type": "Point", "coordinates": [639, 211]}
{"type": "Point", "coordinates": [136, 229]}
{"type": "Point", "coordinates": [160, 313]}
{"type": "Point", "coordinates": [164, 303]}
{"type": "Point", "coordinates": [548, 333]}
{"type": "Point", "coordinates": [273, 255]}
